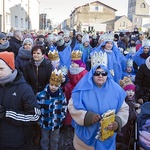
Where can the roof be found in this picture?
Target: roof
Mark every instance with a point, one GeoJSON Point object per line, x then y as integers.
{"type": "Point", "coordinates": [92, 3]}
{"type": "Point", "coordinates": [148, 2]}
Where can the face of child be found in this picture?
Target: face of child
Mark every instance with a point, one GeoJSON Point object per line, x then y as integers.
{"type": "Point", "coordinates": [129, 69]}
{"type": "Point", "coordinates": [55, 63]}
{"type": "Point", "coordinates": [74, 65]}
{"type": "Point", "coordinates": [53, 88]}
{"type": "Point", "coordinates": [109, 45]}
{"type": "Point", "coordinates": [27, 46]}
{"type": "Point", "coordinates": [130, 93]}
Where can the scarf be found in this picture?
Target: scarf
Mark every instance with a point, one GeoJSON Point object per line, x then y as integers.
{"type": "Point", "coordinates": [25, 54]}
{"type": "Point", "coordinates": [37, 63]}
{"type": "Point", "coordinates": [55, 94]}
{"type": "Point", "coordinates": [9, 78]}
{"type": "Point", "coordinates": [108, 51]}
{"type": "Point", "coordinates": [144, 56]}
{"type": "Point", "coordinates": [5, 45]}
{"type": "Point", "coordinates": [76, 70]}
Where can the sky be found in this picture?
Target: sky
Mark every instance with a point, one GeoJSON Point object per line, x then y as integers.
{"type": "Point", "coordinates": [59, 10]}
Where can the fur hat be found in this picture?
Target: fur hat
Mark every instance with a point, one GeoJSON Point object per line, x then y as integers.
{"type": "Point", "coordinates": [127, 84]}
{"type": "Point", "coordinates": [85, 38]}
{"type": "Point", "coordinates": [26, 40]}
{"type": "Point", "coordinates": [2, 35]}
{"type": "Point", "coordinates": [60, 41]}
{"type": "Point", "coordinates": [8, 58]}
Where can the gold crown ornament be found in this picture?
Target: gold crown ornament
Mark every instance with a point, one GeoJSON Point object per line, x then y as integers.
{"type": "Point", "coordinates": [76, 55]}
{"type": "Point", "coordinates": [125, 81]}
{"type": "Point", "coordinates": [53, 55]}
{"type": "Point", "coordinates": [56, 77]}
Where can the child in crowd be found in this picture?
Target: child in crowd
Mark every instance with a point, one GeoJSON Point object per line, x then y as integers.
{"type": "Point", "coordinates": [76, 72]}
{"type": "Point", "coordinates": [129, 70]}
{"type": "Point", "coordinates": [53, 111]}
{"type": "Point", "coordinates": [124, 137]}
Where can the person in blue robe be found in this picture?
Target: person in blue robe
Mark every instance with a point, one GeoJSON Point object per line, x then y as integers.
{"type": "Point", "coordinates": [115, 60]}
{"type": "Point", "coordinates": [86, 49]}
{"type": "Point", "coordinates": [64, 52]}
{"type": "Point", "coordinates": [141, 55]}
{"type": "Point", "coordinates": [95, 94]}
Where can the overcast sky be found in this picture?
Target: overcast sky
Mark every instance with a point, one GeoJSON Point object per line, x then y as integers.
{"type": "Point", "coordinates": [61, 9]}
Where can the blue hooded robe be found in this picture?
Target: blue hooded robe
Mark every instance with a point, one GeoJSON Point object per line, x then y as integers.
{"type": "Point", "coordinates": [89, 97]}
{"type": "Point", "coordinates": [116, 61]}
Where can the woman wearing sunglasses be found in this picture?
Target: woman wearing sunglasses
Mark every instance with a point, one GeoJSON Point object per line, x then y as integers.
{"type": "Point", "coordinates": [95, 94]}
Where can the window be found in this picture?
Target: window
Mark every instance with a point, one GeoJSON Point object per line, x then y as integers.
{"type": "Point", "coordinates": [143, 5]}
{"type": "Point", "coordinates": [7, 18]}
{"type": "Point", "coordinates": [21, 22]}
{"type": "Point", "coordinates": [96, 8]}
{"type": "Point", "coordinates": [16, 21]}
{"type": "Point", "coordinates": [123, 24]}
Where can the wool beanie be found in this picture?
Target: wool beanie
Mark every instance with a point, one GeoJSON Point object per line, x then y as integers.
{"type": "Point", "coordinates": [2, 35]}
{"type": "Point", "coordinates": [26, 40]}
{"type": "Point", "coordinates": [8, 58]}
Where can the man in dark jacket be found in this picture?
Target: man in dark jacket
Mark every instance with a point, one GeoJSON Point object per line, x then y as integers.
{"type": "Point", "coordinates": [16, 42]}
{"type": "Point", "coordinates": [18, 106]}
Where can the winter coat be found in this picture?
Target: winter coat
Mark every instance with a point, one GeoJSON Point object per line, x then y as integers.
{"type": "Point", "coordinates": [19, 102]}
{"type": "Point", "coordinates": [14, 45]}
{"type": "Point", "coordinates": [38, 76]}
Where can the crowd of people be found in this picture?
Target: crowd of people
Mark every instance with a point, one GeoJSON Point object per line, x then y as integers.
{"type": "Point", "coordinates": [56, 87]}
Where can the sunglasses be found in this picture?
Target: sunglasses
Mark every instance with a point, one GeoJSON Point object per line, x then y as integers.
{"type": "Point", "coordinates": [146, 48]}
{"type": "Point", "coordinates": [97, 73]}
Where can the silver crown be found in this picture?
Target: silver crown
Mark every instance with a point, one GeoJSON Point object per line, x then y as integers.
{"type": "Point", "coordinates": [132, 50]}
{"type": "Point", "coordinates": [107, 37]}
{"type": "Point", "coordinates": [99, 58]}
{"type": "Point", "coordinates": [146, 42]}
{"type": "Point", "coordinates": [130, 62]}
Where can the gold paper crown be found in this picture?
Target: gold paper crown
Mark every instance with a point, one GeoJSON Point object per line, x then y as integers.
{"type": "Point", "coordinates": [76, 55]}
{"type": "Point", "coordinates": [53, 55]}
{"type": "Point", "coordinates": [56, 77]}
{"type": "Point", "coordinates": [126, 81]}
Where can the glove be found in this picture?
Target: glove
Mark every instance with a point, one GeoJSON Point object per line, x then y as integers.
{"type": "Point", "coordinates": [2, 112]}
{"type": "Point", "coordinates": [95, 118]}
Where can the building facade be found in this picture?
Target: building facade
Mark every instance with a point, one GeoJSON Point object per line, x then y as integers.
{"type": "Point", "coordinates": [139, 13]}
{"type": "Point", "coordinates": [19, 14]}
{"type": "Point", "coordinates": [92, 17]}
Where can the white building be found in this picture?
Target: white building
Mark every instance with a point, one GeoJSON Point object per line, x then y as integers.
{"type": "Point", "coordinates": [19, 14]}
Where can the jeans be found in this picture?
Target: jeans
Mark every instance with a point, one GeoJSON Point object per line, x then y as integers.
{"type": "Point", "coordinates": [49, 139]}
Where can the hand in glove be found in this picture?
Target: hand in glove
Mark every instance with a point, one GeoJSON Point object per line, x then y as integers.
{"type": "Point", "coordinates": [2, 112]}
{"type": "Point", "coordinates": [95, 118]}
{"type": "Point", "coordinates": [113, 126]}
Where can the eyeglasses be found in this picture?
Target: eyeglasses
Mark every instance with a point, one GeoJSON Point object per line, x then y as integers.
{"type": "Point", "coordinates": [3, 39]}
{"type": "Point", "coordinates": [97, 73]}
{"type": "Point", "coordinates": [146, 48]}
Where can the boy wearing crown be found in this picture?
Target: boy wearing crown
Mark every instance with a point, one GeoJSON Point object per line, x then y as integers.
{"type": "Point", "coordinates": [126, 131]}
{"type": "Point", "coordinates": [53, 111]}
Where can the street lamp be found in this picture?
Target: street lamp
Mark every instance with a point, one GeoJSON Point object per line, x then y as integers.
{"type": "Point", "coordinates": [44, 16]}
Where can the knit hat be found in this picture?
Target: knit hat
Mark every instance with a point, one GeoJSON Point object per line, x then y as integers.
{"type": "Point", "coordinates": [121, 34]}
{"type": "Point", "coordinates": [60, 41]}
{"type": "Point", "coordinates": [26, 40]}
{"type": "Point", "coordinates": [2, 35]}
{"type": "Point", "coordinates": [127, 84]}
{"type": "Point", "coordinates": [8, 58]}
